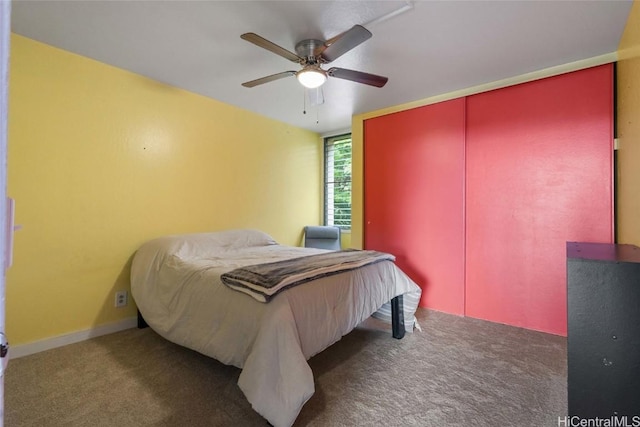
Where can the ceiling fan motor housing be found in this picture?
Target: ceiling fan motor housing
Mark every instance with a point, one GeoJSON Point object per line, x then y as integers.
{"type": "Point", "coordinates": [307, 49]}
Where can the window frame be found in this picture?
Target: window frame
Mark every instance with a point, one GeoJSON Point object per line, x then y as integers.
{"type": "Point", "coordinates": [328, 142]}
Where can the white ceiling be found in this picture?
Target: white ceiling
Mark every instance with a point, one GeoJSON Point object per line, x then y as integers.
{"type": "Point", "coordinates": [431, 48]}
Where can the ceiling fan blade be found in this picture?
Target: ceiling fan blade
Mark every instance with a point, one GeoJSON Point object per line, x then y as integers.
{"type": "Point", "coordinates": [268, 79]}
{"type": "Point", "coordinates": [358, 76]}
{"type": "Point", "coordinates": [341, 44]}
{"type": "Point", "coordinates": [270, 46]}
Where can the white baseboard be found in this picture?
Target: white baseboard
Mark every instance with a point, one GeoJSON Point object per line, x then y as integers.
{"type": "Point", "coordinates": [74, 337]}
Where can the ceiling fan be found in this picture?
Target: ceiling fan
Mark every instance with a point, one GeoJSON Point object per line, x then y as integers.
{"type": "Point", "coordinates": [312, 53]}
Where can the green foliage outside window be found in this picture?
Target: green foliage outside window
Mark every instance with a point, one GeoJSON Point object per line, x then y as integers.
{"type": "Point", "coordinates": [338, 181]}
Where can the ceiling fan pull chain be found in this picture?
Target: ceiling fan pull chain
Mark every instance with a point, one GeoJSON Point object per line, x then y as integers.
{"type": "Point", "coordinates": [304, 101]}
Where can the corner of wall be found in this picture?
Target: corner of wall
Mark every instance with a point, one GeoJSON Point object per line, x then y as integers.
{"type": "Point", "coordinates": [628, 125]}
{"type": "Point", "coordinates": [357, 182]}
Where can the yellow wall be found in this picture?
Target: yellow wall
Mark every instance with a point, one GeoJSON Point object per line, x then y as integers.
{"type": "Point", "coordinates": [101, 160]}
{"type": "Point", "coordinates": [628, 179]}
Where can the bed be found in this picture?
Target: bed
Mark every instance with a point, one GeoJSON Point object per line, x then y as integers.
{"type": "Point", "coordinates": [177, 284]}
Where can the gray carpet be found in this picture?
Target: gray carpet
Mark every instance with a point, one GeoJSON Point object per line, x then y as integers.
{"type": "Point", "coordinates": [457, 372]}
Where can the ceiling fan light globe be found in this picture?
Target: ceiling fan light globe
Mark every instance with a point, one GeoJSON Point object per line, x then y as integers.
{"type": "Point", "coordinates": [311, 78]}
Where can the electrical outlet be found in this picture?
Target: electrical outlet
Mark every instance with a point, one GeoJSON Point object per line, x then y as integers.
{"type": "Point", "coordinates": [121, 298]}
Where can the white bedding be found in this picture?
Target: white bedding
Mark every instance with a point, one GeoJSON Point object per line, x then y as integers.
{"type": "Point", "coordinates": [176, 284]}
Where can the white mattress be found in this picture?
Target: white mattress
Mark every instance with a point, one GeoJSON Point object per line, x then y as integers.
{"type": "Point", "coordinates": [176, 284]}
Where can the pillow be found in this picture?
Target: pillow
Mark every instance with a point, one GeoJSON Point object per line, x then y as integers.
{"type": "Point", "coordinates": [201, 245]}
{"type": "Point", "coordinates": [233, 239]}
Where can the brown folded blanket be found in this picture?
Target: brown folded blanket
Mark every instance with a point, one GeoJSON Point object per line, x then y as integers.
{"type": "Point", "coordinates": [263, 281]}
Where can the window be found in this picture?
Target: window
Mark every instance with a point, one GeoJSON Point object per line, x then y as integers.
{"type": "Point", "coordinates": [337, 181]}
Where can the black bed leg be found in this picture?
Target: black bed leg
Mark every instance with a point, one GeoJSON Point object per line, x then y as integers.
{"type": "Point", "coordinates": [397, 317]}
{"type": "Point", "coordinates": [141, 322]}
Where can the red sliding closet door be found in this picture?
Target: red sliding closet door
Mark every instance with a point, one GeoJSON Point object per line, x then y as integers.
{"type": "Point", "coordinates": [414, 199]}
{"type": "Point", "coordinates": [539, 174]}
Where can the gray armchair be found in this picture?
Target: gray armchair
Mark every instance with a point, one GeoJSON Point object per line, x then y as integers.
{"type": "Point", "coordinates": [322, 237]}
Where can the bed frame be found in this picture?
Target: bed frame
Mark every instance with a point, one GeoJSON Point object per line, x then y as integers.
{"type": "Point", "coordinates": [397, 318]}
